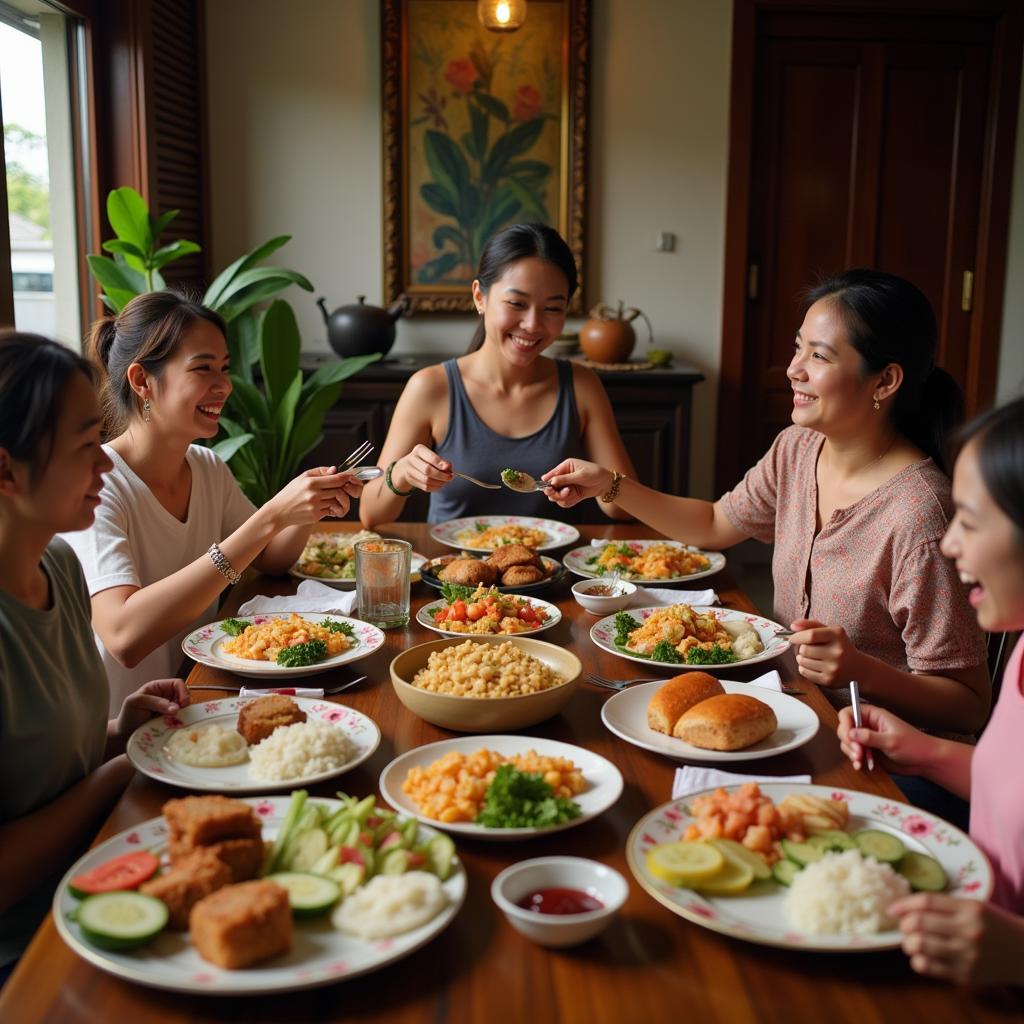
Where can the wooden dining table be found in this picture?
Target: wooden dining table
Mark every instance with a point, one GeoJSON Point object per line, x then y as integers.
{"type": "Point", "coordinates": [648, 966]}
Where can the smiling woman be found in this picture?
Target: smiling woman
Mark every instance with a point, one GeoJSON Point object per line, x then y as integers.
{"type": "Point", "coordinates": [174, 529]}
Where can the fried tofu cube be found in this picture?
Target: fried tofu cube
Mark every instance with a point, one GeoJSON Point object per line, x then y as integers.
{"type": "Point", "coordinates": [203, 820]}
{"type": "Point", "coordinates": [186, 882]}
{"type": "Point", "coordinates": [258, 719]}
{"type": "Point", "coordinates": [242, 925]}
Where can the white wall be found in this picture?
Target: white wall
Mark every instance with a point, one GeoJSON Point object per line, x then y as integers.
{"type": "Point", "coordinates": [1010, 382]}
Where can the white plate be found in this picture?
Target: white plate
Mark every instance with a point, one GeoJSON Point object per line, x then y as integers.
{"type": "Point", "coordinates": [321, 955]}
{"type": "Point", "coordinates": [205, 646]}
{"type": "Point", "coordinates": [576, 561]}
{"type": "Point", "coordinates": [416, 563]}
{"type": "Point", "coordinates": [625, 714]}
{"type": "Point", "coordinates": [425, 617]}
{"type": "Point", "coordinates": [146, 746]}
{"type": "Point", "coordinates": [604, 782]}
{"type": "Point", "coordinates": [603, 634]}
{"type": "Point", "coordinates": [559, 534]}
{"type": "Point", "coordinates": [758, 916]}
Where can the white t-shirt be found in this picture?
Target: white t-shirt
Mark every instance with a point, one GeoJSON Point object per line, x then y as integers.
{"type": "Point", "coordinates": [135, 542]}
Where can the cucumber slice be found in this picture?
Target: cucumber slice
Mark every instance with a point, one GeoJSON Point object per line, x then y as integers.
{"type": "Point", "coordinates": [801, 853]}
{"type": "Point", "coordinates": [349, 877]}
{"type": "Point", "coordinates": [441, 856]}
{"type": "Point", "coordinates": [785, 870]}
{"type": "Point", "coordinates": [830, 840]}
{"type": "Point", "coordinates": [121, 920]}
{"type": "Point", "coordinates": [394, 862]}
{"type": "Point", "coordinates": [328, 861]}
{"type": "Point", "coordinates": [305, 850]}
{"type": "Point", "coordinates": [737, 852]}
{"type": "Point", "coordinates": [880, 846]}
{"type": "Point", "coordinates": [924, 873]}
{"type": "Point", "coordinates": [409, 830]}
{"type": "Point", "coordinates": [308, 895]}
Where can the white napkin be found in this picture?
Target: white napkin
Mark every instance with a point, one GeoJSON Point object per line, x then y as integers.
{"type": "Point", "coordinates": [769, 681]}
{"type": "Point", "coordinates": [652, 596]}
{"type": "Point", "coordinates": [695, 780]}
{"type": "Point", "coordinates": [312, 596]}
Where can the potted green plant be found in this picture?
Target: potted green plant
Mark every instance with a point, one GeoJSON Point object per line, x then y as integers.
{"type": "Point", "coordinates": [272, 419]}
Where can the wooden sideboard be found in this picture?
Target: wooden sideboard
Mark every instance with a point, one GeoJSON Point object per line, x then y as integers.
{"type": "Point", "coordinates": [652, 409]}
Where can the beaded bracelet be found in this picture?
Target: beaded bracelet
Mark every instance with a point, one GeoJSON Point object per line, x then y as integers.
{"type": "Point", "coordinates": [613, 491]}
{"type": "Point", "coordinates": [391, 487]}
{"type": "Point", "coordinates": [223, 565]}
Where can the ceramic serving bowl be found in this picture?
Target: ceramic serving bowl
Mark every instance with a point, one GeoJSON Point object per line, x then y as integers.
{"type": "Point", "coordinates": [598, 880]}
{"type": "Point", "coordinates": [601, 605]}
{"type": "Point", "coordinates": [486, 714]}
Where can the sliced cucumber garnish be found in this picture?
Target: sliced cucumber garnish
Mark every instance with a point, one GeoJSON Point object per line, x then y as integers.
{"type": "Point", "coordinates": [801, 853]}
{"type": "Point", "coordinates": [785, 870]}
{"type": "Point", "coordinates": [121, 920]}
{"type": "Point", "coordinates": [441, 856]}
{"type": "Point", "coordinates": [308, 895]}
{"type": "Point", "coordinates": [924, 873]}
{"type": "Point", "coordinates": [881, 846]}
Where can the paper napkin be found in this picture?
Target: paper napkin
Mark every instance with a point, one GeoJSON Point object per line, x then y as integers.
{"type": "Point", "coordinates": [311, 596]}
{"type": "Point", "coordinates": [652, 596]}
{"type": "Point", "coordinates": [695, 780]}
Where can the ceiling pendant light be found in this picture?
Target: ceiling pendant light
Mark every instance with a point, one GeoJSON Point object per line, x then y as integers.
{"type": "Point", "coordinates": [501, 15]}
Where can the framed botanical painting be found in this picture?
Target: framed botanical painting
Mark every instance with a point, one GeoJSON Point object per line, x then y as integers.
{"type": "Point", "coordinates": [481, 130]}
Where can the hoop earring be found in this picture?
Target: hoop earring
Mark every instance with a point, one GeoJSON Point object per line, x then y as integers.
{"type": "Point", "coordinates": [146, 403]}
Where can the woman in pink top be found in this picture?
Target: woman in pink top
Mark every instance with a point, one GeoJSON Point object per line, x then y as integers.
{"type": "Point", "coordinates": [946, 937]}
{"type": "Point", "coordinates": [855, 499]}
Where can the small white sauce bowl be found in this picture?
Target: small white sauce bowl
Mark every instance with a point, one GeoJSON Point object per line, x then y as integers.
{"type": "Point", "coordinates": [603, 605]}
{"type": "Point", "coordinates": [558, 930]}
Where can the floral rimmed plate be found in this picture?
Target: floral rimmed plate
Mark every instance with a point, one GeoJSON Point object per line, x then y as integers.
{"type": "Point", "coordinates": [425, 617]}
{"type": "Point", "coordinates": [206, 646]}
{"type": "Point", "coordinates": [603, 634]}
{"type": "Point", "coordinates": [320, 955]}
{"type": "Point", "coordinates": [146, 746]}
{"type": "Point", "coordinates": [576, 561]}
{"type": "Point", "coordinates": [461, 533]}
{"type": "Point", "coordinates": [604, 781]}
{"type": "Point", "coordinates": [758, 915]}
{"type": "Point", "coordinates": [625, 714]}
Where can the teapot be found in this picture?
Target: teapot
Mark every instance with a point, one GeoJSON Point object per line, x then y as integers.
{"type": "Point", "coordinates": [360, 330]}
{"type": "Point", "coordinates": [608, 336]}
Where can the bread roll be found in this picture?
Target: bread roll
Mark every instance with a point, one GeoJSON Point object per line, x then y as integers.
{"type": "Point", "coordinates": [731, 721]}
{"type": "Point", "coordinates": [677, 696]}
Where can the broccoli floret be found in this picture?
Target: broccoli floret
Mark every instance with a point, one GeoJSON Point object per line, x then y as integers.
{"type": "Point", "coordinates": [308, 653]}
{"type": "Point", "coordinates": [716, 654]}
{"type": "Point", "coordinates": [624, 625]}
{"type": "Point", "coordinates": [338, 627]}
{"type": "Point", "coordinates": [664, 651]}
{"type": "Point", "coordinates": [234, 627]}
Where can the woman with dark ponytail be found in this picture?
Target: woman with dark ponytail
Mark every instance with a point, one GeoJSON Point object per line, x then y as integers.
{"type": "Point", "coordinates": [855, 498]}
{"type": "Point", "coordinates": [503, 404]}
{"type": "Point", "coordinates": [174, 529]}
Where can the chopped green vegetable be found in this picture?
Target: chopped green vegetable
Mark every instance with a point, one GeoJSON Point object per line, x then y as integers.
{"type": "Point", "coordinates": [453, 592]}
{"type": "Point", "coordinates": [517, 799]}
{"type": "Point", "coordinates": [234, 627]}
{"type": "Point", "coordinates": [624, 625]}
{"type": "Point", "coordinates": [291, 819]}
{"type": "Point", "coordinates": [665, 651]}
{"type": "Point", "coordinates": [481, 527]}
{"type": "Point", "coordinates": [308, 653]}
{"type": "Point", "coordinates": [716, 654]}
{"type": "Point", "coordinates": [338, 627]}
{"type": "Point", "coordinates": [511, 476]}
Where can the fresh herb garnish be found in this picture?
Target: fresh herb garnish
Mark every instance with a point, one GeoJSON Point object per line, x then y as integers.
{"type": "Point", "coordinates": [308, 653]}
{"type": "Point", "coordinates": [453, 592]}
{"type": "Point", "coordinates": [716, 654]}
{"type": "Point", "coordinates": [235, 627]}
{"type": "Point", "coordinates": [481, 527]}
{"type": "Point", "coordinates": [624, 625]}
{"type": "Point", "coordinates": [517, 799]}
{"type": "Point", "coordinates": [665, 651]}
{"type": "Point", "coordinates": [511, 476]}
{"type": "Point", "coordinates": [338, 627]}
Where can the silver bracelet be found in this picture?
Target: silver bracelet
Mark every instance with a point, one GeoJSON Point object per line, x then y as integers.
{"type": "Point", "coordinates": [223, 565]}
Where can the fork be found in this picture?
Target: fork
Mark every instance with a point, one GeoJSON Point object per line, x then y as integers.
{"type": "Point", "coordinates": [473, 480]}
{"type": "Point", "coordinates": [621, 684]}
{"type": "Point", "coordinates": [355, 457]}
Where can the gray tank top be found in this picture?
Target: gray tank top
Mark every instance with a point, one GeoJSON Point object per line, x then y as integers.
{"type": "Point", "coordinates": [472, 447]}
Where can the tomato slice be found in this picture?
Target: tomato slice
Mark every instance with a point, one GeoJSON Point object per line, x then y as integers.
{"type": "Point", "coordinates": [128, 871]}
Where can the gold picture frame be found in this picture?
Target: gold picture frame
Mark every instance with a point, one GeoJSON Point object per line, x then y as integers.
{"type": "Point", "coordinates": [481, 130]}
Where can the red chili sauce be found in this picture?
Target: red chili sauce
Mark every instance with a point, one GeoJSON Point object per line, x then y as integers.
{"type": "Point", "coordinates": [559, 901]}
{"type": "Point", "coordinates": [601, 590]}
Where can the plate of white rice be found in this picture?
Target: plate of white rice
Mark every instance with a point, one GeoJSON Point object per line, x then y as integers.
{"type": "Point", "coordinates": [839, 906]}
{"type": "Point", "coordinates": [333, 740]}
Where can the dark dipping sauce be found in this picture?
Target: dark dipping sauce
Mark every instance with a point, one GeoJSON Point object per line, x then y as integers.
{"type": "Point", "coordinates": [559, 901]}
{"type": "Point", "coordinates": [601, 590]}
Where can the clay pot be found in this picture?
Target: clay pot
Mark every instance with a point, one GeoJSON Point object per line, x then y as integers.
{"type": "Point", "coordinates": [608, 336]}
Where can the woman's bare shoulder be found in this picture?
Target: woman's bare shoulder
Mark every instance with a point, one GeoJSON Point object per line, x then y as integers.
{"type": "Point", "coordinates": [428, 384]}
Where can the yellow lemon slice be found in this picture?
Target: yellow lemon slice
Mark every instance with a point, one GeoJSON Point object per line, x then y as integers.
{"type": "Point", "coordinates": [732, 879]}
{"type": "Point", "coordinates": [684, 863]}
{"type": "Point", "coordinates": [739, 854]}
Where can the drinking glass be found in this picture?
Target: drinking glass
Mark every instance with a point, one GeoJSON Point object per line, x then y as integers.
{"type": "Point", "coordinates": [382, 582]}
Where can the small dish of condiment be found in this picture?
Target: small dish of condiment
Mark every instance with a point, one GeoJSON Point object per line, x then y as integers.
{"type": "Point", "coordinates": [559, 901]}
{"type": "Point", "coordinates": [603, 598]}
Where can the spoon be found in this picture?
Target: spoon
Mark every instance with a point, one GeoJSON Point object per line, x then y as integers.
{"type": "Point", "coordinates": [517, 480]}
{"type": "Point", "coordinates": [473, 480]}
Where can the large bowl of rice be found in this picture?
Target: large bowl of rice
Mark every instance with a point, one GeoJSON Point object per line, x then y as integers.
{"type": "Point", "coordinates": [485, 683]}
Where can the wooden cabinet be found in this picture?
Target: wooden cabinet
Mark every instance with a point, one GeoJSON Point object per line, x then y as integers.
{"type": "Point", "coordinates": [652, 408]}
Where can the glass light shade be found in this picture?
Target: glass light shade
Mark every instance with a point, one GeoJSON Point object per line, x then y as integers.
{"type": "Point", "coordinates": [501, 15]}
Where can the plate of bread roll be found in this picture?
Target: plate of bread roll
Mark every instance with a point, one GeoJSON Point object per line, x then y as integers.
{"type": "Point", "coordinates": [696, 717]}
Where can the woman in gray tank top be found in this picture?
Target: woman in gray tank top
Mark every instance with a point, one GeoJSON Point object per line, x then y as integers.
{"type": "Point", "coordinates": [503, 404]}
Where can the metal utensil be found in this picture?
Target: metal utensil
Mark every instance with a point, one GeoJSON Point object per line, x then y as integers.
{"type": "Point", "coordinates": [621, 684]}
{"type": "Point", "coordinates": [524, 483]}
{"type": "Point", "coordinates": [784, 633]}
{"type": "Point", "coordinates": [355, 457]}
{"type": "Point", "coordinates": [473, 480]}
{"type": "Point", "coordinates": [332, 689]}
{"type": "Point", "coordinates": [855, 705]}
{"type": "Point", "coordinates": [364, 474]}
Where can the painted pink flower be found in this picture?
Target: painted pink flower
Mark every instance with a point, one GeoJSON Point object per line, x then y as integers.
{"type": "Point", "coordinates": [133, 838]}
{"type": "Point", "coordinates": [648, 838]}
{"type": "Point", "coordinates": [528, 103]}
{"type": "Point", "coordinates": [837, 795]}
{"type": "Point", "coordinates": [203, 979]}
{"type": "Point", "coordinates": [971, 887]}
{"type": "Point", "coordinates": [917, 826]}
{"type": "Point", "coordinates": [701, 911]}
{"type": "Point", "coordinates": [211, 706]}
{"type": "Point", "coordinates": [334, 715]}
{"type": "Point", "coordinates": [173, 722]}
{"type": "Point", "coordinates": [673, 815]}
{"type": "Point", "coordinates": [338, 968]}
{"type": "Point", "coordinates": [461, 74]}
{"type": "Point", "coordinates": [264, 807]}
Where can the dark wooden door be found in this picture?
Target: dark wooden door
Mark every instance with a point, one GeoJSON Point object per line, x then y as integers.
{"type": "Point", "coordinates": [868, 148]}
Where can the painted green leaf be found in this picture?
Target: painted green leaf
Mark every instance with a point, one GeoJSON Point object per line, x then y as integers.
{"type": "Point", "coordinates": [531, 205]}
{"type": "Point", "coordinates": [129, 217]}
{"type": "Point", "coordinates": [513, 143]}
{"type": "Point", "coordinates": [469, 143]}
{"type": "Point", "coordinates": [471, 206]}
{"type": "Point", "coordinates": [439, 198]}
{"type": "Point", "coordinates": [493, 106]}
{"type": "Point", "coordinates": [438, 267]}
{"type": "Point", "coordinates": [479, 125]}
{"type": "Point", "coordinates": [446, 162]}
{"type": "Point", "coordinates": [446, 233]}
{"type": "Point", "coordinates": [529, 168]}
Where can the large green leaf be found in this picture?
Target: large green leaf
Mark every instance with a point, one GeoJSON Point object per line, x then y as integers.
{"type": "Point", "coordinates": [251, 402]}
{"type": "Point", "coordinates": [125, 248]}
{"type": "Point", "coordinates": [174, 251]}
{"type": "Point", "coordinates": [279, 351]}
{"type": "Point", "coordinates": [438, 198]}
{"type": "Point", "coordinates": [133, 274]}
{"type": "Point", "coordinates": [113, 276]}
{"type": "Point", "coordinates": [246, 278]}
{"type": "Point", "coordinates": [309, 421]}
{"type": "Point", "coordinates": [159, 226]}
{"type": "Point", "coordinates": [446, 162]}
{"type": "Point", "coordinates": [284, 421]}
{"type": "Point", "coordinates": [260, 253]}
{"type": "Point", "coordinates": [226, 449]}
{"type": "Point", "coordinates": [244, 343]}
{"type": "Point", "coordinates": [129, 217]}
{"type": "Point", "coordinates": [248, 297]}
{"type": "Point", "coordinates": [334, 373]}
